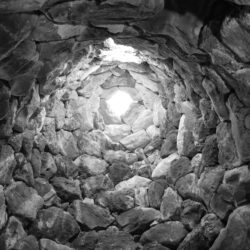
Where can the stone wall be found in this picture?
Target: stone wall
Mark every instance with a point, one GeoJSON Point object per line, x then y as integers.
{"type": "Point", "coordinates": [177, 175]}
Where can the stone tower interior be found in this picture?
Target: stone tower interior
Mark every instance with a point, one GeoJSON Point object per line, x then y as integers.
{"type": "Point", "coordinates": [124, 124]}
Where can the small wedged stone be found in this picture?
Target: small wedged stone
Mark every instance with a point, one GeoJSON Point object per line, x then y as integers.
{"type": "Point", "coordinates": [132, 183]}
{"type": "Point", "coordinates": [54, 223]}
{"type": "Point", "coordinates": [169, 234]}
{"type": "Point", "coordinates": [46, 244]}
{"type": "Point", "coordinates": [67, 189]}
{"type": "Point", "coordinates": [23, 200]}
{"type": "Point", "coordinates": [7, 164]}
{"type": "Point", "coordinates": [141, 197]}
{"type": "Point", "coordinates": [90, 215]}
{"type": "Point", "coordinates": [16, 142]}
{"type": "Point", "coordinates": [90, 165]}
{"type": "Point", "coordinates": [137, 219]}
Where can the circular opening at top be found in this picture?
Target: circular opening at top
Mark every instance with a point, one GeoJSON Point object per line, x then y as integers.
{"type": "Point", "coordinates": [119, 103]}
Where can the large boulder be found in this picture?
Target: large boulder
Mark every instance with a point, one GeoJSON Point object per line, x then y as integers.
{"type": "Point", "coordinates": [236, 234]}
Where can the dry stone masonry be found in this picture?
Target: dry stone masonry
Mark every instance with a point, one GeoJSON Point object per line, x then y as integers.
{"type": "Point", "coordinates": [172, 172]}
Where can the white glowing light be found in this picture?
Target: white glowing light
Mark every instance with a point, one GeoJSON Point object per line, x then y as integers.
{"type": "Point", "coordinates": [119, 103]}
{"type": "Point", "coordinates": [117, 52]}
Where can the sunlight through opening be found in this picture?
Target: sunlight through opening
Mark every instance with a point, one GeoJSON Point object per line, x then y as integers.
{"type": "Point", "coordinates": [117, 52]}
{"type": "Point", "coordinates": [119, 103]}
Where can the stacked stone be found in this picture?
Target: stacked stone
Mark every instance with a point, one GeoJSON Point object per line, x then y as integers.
{"type": "Point", "coordinates": [173, 176]}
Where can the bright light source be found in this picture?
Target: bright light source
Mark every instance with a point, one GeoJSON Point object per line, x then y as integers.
{"type": "Point", "coordinates": [117, 52]}
{"type": "Point", "coordinates": [119, 102]}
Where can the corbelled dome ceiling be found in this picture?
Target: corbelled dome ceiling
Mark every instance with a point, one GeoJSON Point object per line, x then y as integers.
{"type": "Point", "coordinates": [81, 170]}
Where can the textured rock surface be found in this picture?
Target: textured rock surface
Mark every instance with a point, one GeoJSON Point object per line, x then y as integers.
{"type": "Point", "coordinates": [187, 71]}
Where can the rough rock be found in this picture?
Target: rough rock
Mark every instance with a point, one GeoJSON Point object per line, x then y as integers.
{"type": "Point", "coordinates": [155, 192]}
{"type": "Point", "coordinates": [114, 239]}
{"type": "Point", "coordinates": [237, 181]}
{"type": "Point", "coordinates": [86, 240]}
{"type": "Point", "coordinates": [95, 184]}
{"type": "Point", "coordinates": [13, 232]}
{"type": "Point", "coordinates": [185, 139]}
{"type": "Point", "coordinates": [163, 166]}
{"type": "Point", "coordinates": [210, 152]}
{"type": "Point", "coordinates": [169, 145]}
{"type": "Point", "coordinates": [27, 243]}
{"type": "Point", "coordinates": [46, 191]}
{"type": "Point", "coordinates": [137, 219]}
{"type": "Point", "coordinates": [134, 182]}
{"type": "Point", "coordinates": [25, 173]}
{"type": "Point", "coordinates": [48, 168]}
{"type": "Point", "coordinates": [143, 121]}
{"type": "Point", "coordinates": [90, 165]}
{"type": "Point", "coordinates": [54, 223]}
{"type": "Point", "coordinates": [117, 200]}
{"type": "Point", "coordinates": [137, 140]}
{"type": "Point", "coordinates": [46, 244]}
{"type": "Point", "coordinates": [112, 156]}
{"type": "Point", "coordinates": [188, 188]}
{"type": "Point", "coordinates": [141, 197]}
{"type": "Point", "coordinates": [3, 212]}
{"type": "Point", "coordinates": [171, 204]}
{"type": "Point", "coordinates": [191, 213]}
{"type": "Point", "coordinates": [67, 189]}
{"type": "Point", "coordinates": [169, 234]}
{"type": "Point", "coordinates": [241, 135]}
{"type": "Point", "coordinates": [209, 182]}
{"type": "Point", "coordinates": [65, 166]}
{"type": "Point", "coordinates": [119, 171]}
{"type": "Point", "coordinates": [177, 169]}
{"type": "Point", "coordinates": [7, 164]}
{"type": "Point", "coordinates": [154, 246]}
{"type": "Point", "coordinates": [238, 224]}
{"type": "Point", "coordinates": [67, 144]}
{"type": "Point", "coordinates": [117, 131]}
{"type": "Point", "coordinates": [227, 155]}
{"type": "Point", "coordinates": [90, 215]}
{"type": "Point", "coordinates": [132, 113]}
{"type": "Point", "coordinates": [23, 200]}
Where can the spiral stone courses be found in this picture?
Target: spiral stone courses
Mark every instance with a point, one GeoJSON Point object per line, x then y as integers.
{"type": "Point", "coordinates": [170, 173]}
